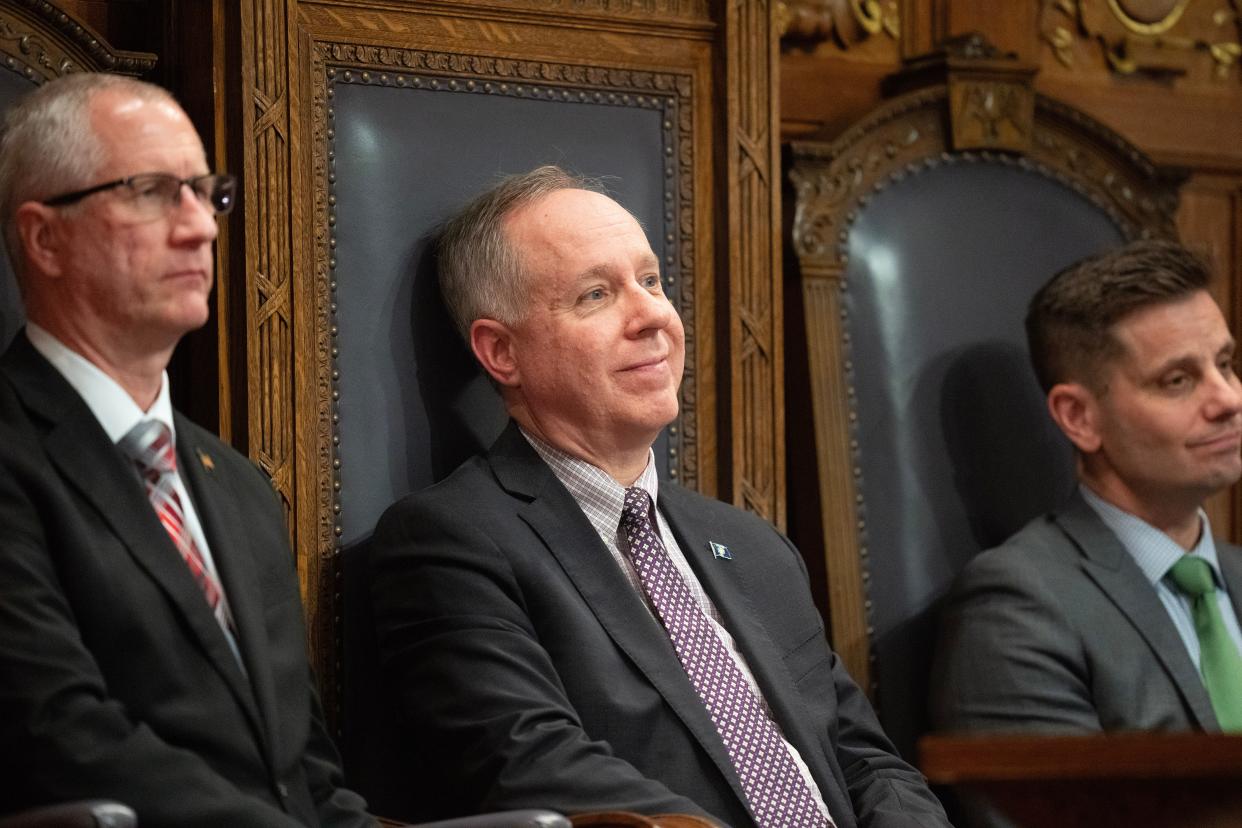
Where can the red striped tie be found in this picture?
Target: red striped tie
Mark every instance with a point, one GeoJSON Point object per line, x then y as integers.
{"type": "Point", "coordinates": [150, 445]}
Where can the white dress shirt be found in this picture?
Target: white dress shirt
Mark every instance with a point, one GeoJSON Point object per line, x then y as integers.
{"type": "Point", "coordinates": [117, 413]}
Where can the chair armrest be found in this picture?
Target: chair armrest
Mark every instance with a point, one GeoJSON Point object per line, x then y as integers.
{"type": "Point", "coordinates": [625, 819]}
{"type": "Point", "coordinates": [95, 813]}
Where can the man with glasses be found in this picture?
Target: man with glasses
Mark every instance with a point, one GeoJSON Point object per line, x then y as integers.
{"type": "Point", "coordinates": [151, 640]}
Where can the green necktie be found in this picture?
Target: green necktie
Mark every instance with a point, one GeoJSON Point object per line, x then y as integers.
{"type": "Point", "coordinates": [1219, 661]}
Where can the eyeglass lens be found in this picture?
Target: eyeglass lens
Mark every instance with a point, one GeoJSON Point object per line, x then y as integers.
{"type": "Point", "coordinates": [214, 191]}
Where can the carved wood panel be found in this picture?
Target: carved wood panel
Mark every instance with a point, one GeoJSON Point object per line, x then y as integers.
{"type": "Point", "coordinates": [42, 42]}
{"type": "Point", "coordinates": [1163, 40]}
{"type": "Point", "coordinates": [755, 318]}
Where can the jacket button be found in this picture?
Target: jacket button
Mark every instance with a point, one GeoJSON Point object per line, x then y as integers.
{"type": "Point", "coordinates": [284, 790]}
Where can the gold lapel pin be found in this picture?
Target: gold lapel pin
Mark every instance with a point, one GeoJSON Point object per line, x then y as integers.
{"type": "Point", "coordinates": [205, 459]}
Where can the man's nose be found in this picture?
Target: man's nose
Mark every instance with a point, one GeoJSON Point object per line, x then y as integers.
{"type": "Point", "coordinates": [1226, 394]}
{"type": "Point", "coordinates": [193, 220]}
{"type": "Point", "coordinates": [649, 310]}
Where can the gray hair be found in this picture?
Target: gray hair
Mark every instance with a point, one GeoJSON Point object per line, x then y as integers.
{"type": "Point", "coordinates": [481, 274]}
{"type": "Point", "coordinates": [49, 145]}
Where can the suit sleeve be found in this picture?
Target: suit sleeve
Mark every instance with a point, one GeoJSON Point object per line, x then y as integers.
{"type": "Point", "coordinates": [885, 791]}
{"type": "Point", "coordinates": [337, 806]}
{"type": "Point", "coordinates": [1007, 660]}
{"type": "Point", "coordinates": [480, 692]}
{"type": "Point", "coordinates": [65, 738]}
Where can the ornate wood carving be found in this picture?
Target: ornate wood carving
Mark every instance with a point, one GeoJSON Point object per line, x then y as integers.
{"type": "Point", "coordinates": [831, 183]}
{"type": "Point", "coordinates": [755, 318]}
{"type": "Point", "coordinates": [269, 214]}
{"type": "Point", "coordinates": [42, 42]}
{"type": "Point", "coordinates": [1157, 38]}
{"type": "Point", "coordinates": [845, 22]}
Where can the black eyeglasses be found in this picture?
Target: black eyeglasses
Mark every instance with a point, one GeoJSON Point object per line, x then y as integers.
{"type": "Point", "coordinates": [154, 194]}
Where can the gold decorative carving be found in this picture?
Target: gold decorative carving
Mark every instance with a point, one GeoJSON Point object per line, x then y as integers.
{"type": "Point", "coordinates": [41, 42]}
{"type": "Point", "coordinates": [847, 22]}
{"type": "Point", "coordinates": [756, 322]}
{"type": "Point", "coordinates": [831, 182]}
{"type": "Point", "coordinates": [1158, 38]}
{"type": "Point", "coordinates": [1148, 17]}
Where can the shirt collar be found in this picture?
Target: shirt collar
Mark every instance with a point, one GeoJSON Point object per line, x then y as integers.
{"type": "Point", "coordinates": [1153, 550]}
{"type": "Point", "coordinates": [599, 496]}
{"type": "Point", "coordinates": [111, 404]}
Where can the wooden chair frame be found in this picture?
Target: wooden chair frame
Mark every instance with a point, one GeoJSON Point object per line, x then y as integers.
{"type": "Point", "coordinates": [711, 64]}
{"type": "Point", "coordinates": [41, 42]}
{"type": "Point", "coordinates": [965, 104]}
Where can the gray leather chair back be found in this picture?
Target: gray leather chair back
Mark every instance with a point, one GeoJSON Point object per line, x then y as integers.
{"type": "Point", "coordinates": [413, 404]}
{"type": "Point", "coordinates": [956, 449]}
{"type": "Point", "coordinates": [13, 85]}
{"type": "Point", "coordinates": [917, 249]}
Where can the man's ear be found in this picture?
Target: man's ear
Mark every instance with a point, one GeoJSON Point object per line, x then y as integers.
{"type": "Point", "coordinates": [492, 343]}
{"type": "Point", "coordinates": [38, 232]}
{"type": "Point", "coordinates": [1076, 410]}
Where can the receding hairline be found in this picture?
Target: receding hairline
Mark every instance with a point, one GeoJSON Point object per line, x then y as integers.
{"type": "Point", "coordinates": [522, 210]}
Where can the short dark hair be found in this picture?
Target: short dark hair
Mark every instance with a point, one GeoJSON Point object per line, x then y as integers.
{"type": "Point", "coordinates": [1069, 325]}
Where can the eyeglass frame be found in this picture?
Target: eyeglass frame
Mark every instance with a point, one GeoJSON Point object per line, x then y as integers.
{"type": "Point", "coordinates": [65, 199]}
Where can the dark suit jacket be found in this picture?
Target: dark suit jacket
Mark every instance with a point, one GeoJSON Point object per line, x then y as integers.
{"type": "Point", "coordinates": [115, 679]}
{"type": "Point", "coordinates": [1059, 630]}
{"type": "Point", "coordinates": [532, 673]}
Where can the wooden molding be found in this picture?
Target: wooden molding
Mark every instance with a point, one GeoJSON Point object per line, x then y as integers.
{"type": "Point", "coordinates": [756, 321]}
{"type": "Point", "coordinates": [42, 42]}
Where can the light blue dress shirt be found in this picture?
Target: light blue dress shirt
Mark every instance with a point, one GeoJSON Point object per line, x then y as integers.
{"type": "Point", "coordinates": [1155, 552]}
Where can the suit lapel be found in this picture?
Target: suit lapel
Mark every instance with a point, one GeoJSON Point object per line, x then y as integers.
{"type": "Point", "coordinates": [1230, 559]}
{"type": "Point", "coordinates": [1113, 569]}
{"type": "Point", "coordinates": [556, 518]}
{"type": "Point", "coordinates": [722, 582]}
{"type": "Point", "coordinates": [90, 464]}
{"type": "Point", "coordinates": [222, 526]}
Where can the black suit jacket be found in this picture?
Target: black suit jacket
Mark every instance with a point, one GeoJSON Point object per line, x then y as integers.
{"type": "Point", "coordinates": [115, 679]}
{"type": "Point", "coordinates": [532, 673]}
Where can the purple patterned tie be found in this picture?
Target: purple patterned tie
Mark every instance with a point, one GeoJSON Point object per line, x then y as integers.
{"type": "Point", "coordinates": [776, 792]}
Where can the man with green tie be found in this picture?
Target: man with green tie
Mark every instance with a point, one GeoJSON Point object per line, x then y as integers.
{"type": "Point", "coordinates": [1118, 611]}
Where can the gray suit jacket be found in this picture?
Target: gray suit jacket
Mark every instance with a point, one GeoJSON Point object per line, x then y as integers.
{"type": "Point", "coordinates": [1059, 630]}
{"type": "Point", "coordinates": [532, 673]}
